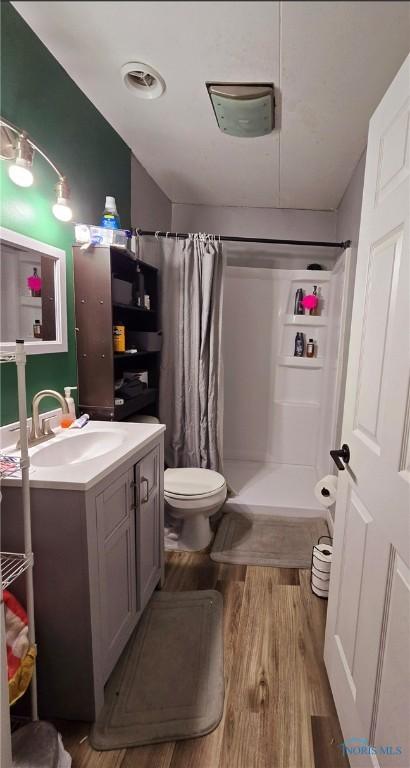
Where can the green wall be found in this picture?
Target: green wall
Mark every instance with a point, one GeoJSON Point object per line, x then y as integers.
{"type": "Point", "coordinates": [38, 96]}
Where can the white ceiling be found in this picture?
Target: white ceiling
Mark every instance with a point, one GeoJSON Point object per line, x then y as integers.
{"type": "Point", "coordinates": [331, 62]}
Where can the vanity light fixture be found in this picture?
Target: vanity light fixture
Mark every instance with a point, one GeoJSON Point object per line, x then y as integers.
{"type": "Point", "coordinates": [21, 151]}
{"type": "Point", "coordinates": [20, 171]}
{"type": "Point", "coordinates": [61, 209]}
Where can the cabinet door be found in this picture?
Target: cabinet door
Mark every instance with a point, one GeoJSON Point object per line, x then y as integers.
{"type": "Point", "coordinates": [148, 523]}
{"type": "Point", "coordinates": [116, 554]}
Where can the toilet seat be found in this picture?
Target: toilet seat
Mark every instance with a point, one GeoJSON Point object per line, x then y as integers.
{"type": "Point", "coordinates": [192, 483]}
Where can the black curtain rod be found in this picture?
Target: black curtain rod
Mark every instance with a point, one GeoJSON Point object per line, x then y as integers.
{"type": "Point", "coordinates": [267, 240]}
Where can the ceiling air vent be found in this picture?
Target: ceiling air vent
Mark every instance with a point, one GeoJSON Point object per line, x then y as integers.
{"type": "Point", "coordinates": [143, 80]}
{"type": "Point", "coordinates": [243, 110]}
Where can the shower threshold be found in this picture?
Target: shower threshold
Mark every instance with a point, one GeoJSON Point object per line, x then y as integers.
{"type": "Point", "coordinates": [267, 488]}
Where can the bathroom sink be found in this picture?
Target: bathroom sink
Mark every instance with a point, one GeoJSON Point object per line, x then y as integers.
{"type": "Point", "coordinates": [78, 459]}
{"type": "Point", "coordinates": [76, 448]}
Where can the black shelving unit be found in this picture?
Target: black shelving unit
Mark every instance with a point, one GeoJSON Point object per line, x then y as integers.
{"type": "Point", "coordinates": [96, 313]}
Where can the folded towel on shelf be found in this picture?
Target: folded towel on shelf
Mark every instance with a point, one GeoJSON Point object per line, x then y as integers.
{"type": "Point", "coordinates": [133, 375]}
{"type": "Point", "coordinates": [130, 385]}
{"type": "Point", "coordinates": [128, 391]}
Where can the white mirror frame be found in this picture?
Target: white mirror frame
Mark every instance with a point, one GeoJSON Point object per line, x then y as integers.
{"type": "Point", "coordinates": [60, 343]}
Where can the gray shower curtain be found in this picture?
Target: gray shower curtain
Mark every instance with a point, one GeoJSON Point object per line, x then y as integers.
{"type": "Point", "coordinates": [191, 392]}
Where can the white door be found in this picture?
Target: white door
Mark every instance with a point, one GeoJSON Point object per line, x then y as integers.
{"type": "Point", "coordinates": [367, 648]}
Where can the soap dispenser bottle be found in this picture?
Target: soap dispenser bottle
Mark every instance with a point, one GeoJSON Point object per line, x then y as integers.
{"type": "Point", "coordinates": [70, 401]}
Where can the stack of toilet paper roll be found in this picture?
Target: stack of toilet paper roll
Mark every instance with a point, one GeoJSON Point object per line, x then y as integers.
{"type": "Point", "coordinates": [325, 490]}
{"type": "Point", "coordinates": [321, 563]}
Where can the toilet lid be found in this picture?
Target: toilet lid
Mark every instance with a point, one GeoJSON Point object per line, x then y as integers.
{"type": "Point", "coordinates": [192, 481]}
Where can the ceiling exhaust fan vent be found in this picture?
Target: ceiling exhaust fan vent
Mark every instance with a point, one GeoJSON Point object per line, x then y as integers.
{"type": "Point", "coordinates": [243, 110]}
{"type": "Point", "coordinates": [143, 80]}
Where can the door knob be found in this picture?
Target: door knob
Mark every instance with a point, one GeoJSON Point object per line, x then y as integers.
{"type": "Point", "coordinates": [341, 453]}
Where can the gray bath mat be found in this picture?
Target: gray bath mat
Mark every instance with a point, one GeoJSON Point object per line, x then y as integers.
{"type": "Point", "coordinates": [283, 542]}
{"type": "Point", "coordinates": [169, 682]}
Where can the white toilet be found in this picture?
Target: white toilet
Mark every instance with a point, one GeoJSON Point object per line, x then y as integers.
{"type": "Point", "coordinates": [193, 495]}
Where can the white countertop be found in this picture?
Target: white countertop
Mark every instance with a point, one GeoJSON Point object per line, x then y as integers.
{"type": "Point", "coordinates": [81, 474]}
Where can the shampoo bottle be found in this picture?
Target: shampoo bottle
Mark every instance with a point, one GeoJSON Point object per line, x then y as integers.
{"type": "Point", "coordinates": [299, 345]}
{"type": "Point", "coordinates": [298, 308]}
{"type": "Point", "coordinates": [315, 293]}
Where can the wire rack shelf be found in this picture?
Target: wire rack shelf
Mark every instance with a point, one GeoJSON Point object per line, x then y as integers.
{"type": "Point", "coordinates": [13, 564]}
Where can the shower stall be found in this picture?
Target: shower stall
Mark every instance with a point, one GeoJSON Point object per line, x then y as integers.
{"type": "Point", "coordinates": [282, 414]}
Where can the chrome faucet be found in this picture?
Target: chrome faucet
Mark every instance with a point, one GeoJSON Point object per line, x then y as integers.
{"type": "Point", "coordinates": [40, 432]}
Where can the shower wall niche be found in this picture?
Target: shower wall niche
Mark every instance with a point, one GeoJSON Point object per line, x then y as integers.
{"type": "Point", "coordinates": [281, 409]}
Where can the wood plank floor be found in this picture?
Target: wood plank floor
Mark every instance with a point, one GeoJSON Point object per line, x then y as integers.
{"type": "Point", "coordinates": [279, 710]}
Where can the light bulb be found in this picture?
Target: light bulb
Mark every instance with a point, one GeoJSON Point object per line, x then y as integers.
{"type": "Point", "coordinates": [20, 170]}
{"type": "Point", "coordinates": [62, 211]}
{"type": "Point", "coordinates": [21, 175]}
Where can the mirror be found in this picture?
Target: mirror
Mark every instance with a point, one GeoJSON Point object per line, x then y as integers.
{"type": "Point", "coordinates": [27, 295]}
{"type": "Point", "coordinates": [32, 293]}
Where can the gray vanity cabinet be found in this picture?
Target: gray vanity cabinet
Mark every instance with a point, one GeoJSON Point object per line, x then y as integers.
{"type": "Point", "coordinates": [98, 556]}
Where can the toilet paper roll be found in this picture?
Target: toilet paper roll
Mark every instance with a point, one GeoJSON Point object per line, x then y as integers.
{"type": "Point", "coordinates": [322, 568]}
{"type": "Point", "coordinates": [320, 584]}
{"type": "Point", "coordinates": [321, 574]}
{"type": "Point", "coordinates": [319, 592]}
{"type": "Point", "coordinates": [322, 557]}
{"type": "Point", "coordinates": [325, 490]}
